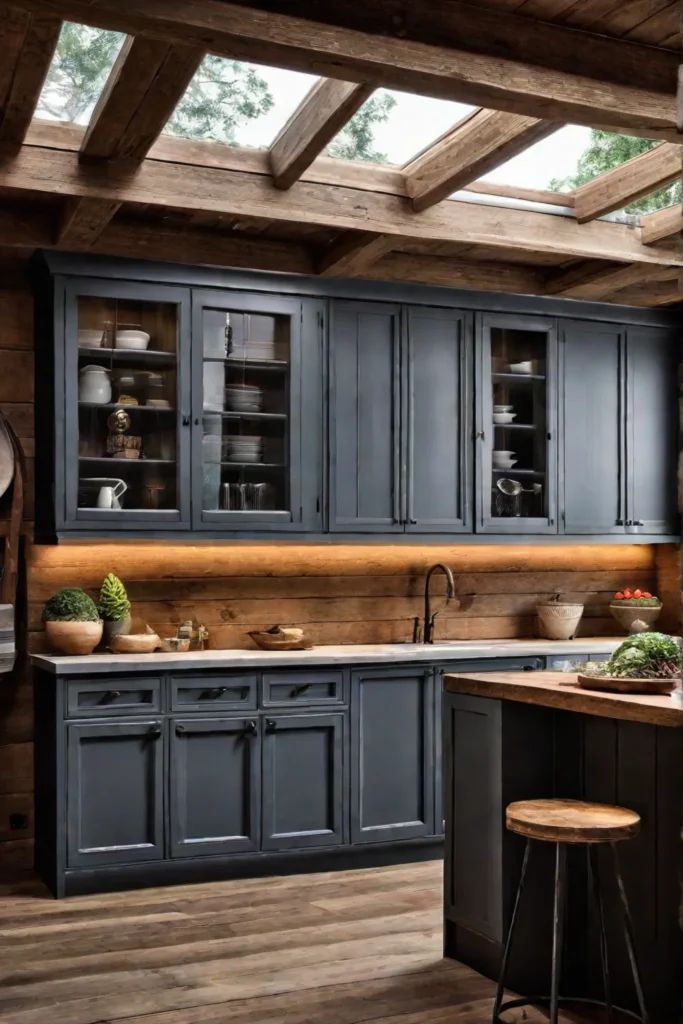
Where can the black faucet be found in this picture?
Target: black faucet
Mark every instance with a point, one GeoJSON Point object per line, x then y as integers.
{"type": "Point", "coordinates": [428, 626]}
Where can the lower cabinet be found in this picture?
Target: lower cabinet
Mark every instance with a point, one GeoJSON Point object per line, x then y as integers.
{"type": "Point", "coordinates": [392, 754]}
{"type": "Point", "coordinates": [215, 769]}
{"type": "Point", "coordinates": [303, 783]}
{"type": "Point", "coordinates": [115, 792]}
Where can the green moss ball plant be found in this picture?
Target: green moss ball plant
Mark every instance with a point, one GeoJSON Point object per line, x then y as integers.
{"type": "Point", "coordinates": [72, 622]}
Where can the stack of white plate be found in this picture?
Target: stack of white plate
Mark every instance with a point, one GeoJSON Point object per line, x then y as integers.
{"type": "Point", "coordinates": [243, 398]}
{"type": "Point", "coordinates": [244, 449]}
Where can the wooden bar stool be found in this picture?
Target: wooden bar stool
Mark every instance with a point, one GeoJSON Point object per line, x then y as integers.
{"type": "Point", "coordinates": [565, 823]}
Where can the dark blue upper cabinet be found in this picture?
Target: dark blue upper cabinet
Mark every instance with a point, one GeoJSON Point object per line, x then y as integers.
{"type": "Point", "coordinates": [593, 456]}
{"type": "Point", "coordinates": [366, 488]}
{"type": "Point", "coordinates": [257, 394]}
{"type": "Point", "coordinates": [516, 427]}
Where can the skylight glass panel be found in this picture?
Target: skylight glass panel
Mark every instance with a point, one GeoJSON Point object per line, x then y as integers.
{"type": "Point", "coordinates": [80, 66]}
{"type": "Point", "coordinates": [550, 163]}
{"type": "Point", "coordinates": [393, 127]}
{"type": "Point", "coordinates": [238, 104]}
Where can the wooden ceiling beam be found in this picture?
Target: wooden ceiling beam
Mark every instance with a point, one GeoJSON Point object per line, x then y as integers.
{"type": "Point", "coordinates": [630, 181]}
{"type": "Point", "coordinates": [663, 225]}
{"type": "Point", "coordinates": [456, 273]}
{"type": "Point", "coordinates": [353, 252]}
{"type": "Point", "coordinates": [655, 293]}
{"type": "Point", "coordinates": [592, 281]}
{"type": "Point", "coordinates": [144, 86]}
{"type": "Point", "coordinates": [321, 115]}
{"type": "Point", "coordinates": [469, 150]}
{"type": "Point", "coordinates": [27, 45]}
{"type": "Point", "coordinates": [534, 79]}
{"type": "Point", "coordinates": [339, 208]}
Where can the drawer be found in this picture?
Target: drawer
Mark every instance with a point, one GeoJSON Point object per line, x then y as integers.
{"type": "Point", "coordinates": [220, 691]}
{"type": "Point", "coordinates": [573, 662]}
{"type": "Point", "coordinates": [295, 689]}
{"type": "Point", "coordinates": [104, 697]}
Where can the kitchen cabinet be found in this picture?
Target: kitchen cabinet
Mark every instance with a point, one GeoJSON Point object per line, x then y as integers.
{"type": "Point", "coordinates": [399, 419]}
{"type": "Point", "coordinates": [392, 754]}
{"type": "Point", "coordinates": [115, 786]}
{"type": "Point", "coordinates": [214, 785]}
{"type": "Point", "coordinates": [516, 424]}
{"type": "Point", "coordinates": [303, 782]}
{"type": "Point", "coordinates": [619, 428]}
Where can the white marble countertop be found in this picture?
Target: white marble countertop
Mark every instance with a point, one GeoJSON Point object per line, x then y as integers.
{"type": "Point", "coordinates": [333, 654]}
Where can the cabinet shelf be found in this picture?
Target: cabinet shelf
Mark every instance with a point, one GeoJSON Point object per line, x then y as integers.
{"type": "Point", "coordinates": [274, 365]}
{"type": "Point", "coordinates": [164, 409]}
{"type": "Point", "coordinates": [518, 472]}
{"type": "Point", "coordinates": [517, 377]}
{"type": "Point", "coordinates": [126, 355]}
{"type": "Point", "coordinates": [125, 462]}
{"type": "Point", "coordinates": [277, 417]}
{"type": "Point", "coordinates": [254, 465]}
{"type": "Point", "coordinates": [516, 426]}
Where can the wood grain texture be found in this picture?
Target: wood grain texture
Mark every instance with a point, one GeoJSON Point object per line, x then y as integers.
{"type": "Point", "coordinates": [353, 253]}
{"type": "Point", "coordinates": [468, 151]}
{"type": "Point", "coordinates": [319, 117]}
{"type": "Point", "coordinates": [630, 181]}
{"type": "Point", "coordinates": [571, 821]}
{"type": "Point", "coordinates": [536, 70]}
{"type": "Point", "coordinates": [664, 224]}
{"type": "Point", "coordinates": [27, 44]}
{"type": "Point", "coordinates": [593, 280]}
{"type": "Point", "coordinates": [561, 690]}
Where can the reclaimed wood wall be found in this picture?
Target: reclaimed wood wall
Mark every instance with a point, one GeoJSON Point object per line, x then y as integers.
{"type": "Point", "coordinates": [346, 594]}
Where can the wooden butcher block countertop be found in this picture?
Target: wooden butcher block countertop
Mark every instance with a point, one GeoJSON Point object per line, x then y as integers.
{"type": "Point", "coordinates": [561, 690]}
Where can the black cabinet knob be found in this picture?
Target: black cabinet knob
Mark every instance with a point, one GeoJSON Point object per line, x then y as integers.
{"type": "Point", "coordinates": [251, 729]}
{"type": "Point", "coordinates": [271, 725]}
{"type": "Point", "coordinates": [638, 522]}
{"type": "Point", "coordinates": [179, 730]}
{"type": "Point", "coordinates": [154, 732]}
{"type": "Point", "coordinates": [111, 695]}
{"type": "Point", "coordinates": [186, 421]}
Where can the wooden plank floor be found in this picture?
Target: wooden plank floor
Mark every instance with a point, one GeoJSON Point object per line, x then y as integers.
{"type": "Point", "coordinates": [335, 948]}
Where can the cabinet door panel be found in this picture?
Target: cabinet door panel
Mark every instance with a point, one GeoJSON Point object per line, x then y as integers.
{"type": "Point", "coordinates": [439, 421]}
{"type": "Point", "coordinates": [392, 756]}
{"type": "Point", "coordinates": [115, 793]}
{"type": "Point", "coordinates": [303, 781]}
{"type": "Point", "coordinates": [652, 429]}
{"type": "Point", "coordinates": [365, 418]}
{"type": "Point", "coordinates": [592, 411]}
{"type": "Point", "coordinates": [214, 786]}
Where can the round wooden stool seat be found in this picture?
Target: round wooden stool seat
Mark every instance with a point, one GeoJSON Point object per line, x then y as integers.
{"type": "Point", "coordinates": [571, 821]}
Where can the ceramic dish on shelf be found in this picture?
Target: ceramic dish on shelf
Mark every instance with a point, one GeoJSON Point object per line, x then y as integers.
{"type": "Point", "coordinates": [503, 408]}
{"type": "Point", "coordinates": [89, 337]}
{"type": "Point", "coordinates": [503, 459]}
{"type": "Point", "coordinates": [135, 341]}
{"type": "Point", "coordinates": [526, 366]}
{"type": "Point", "coordinates": [243, 399]}
{"type": "Point", "coordinates": [503, 417]}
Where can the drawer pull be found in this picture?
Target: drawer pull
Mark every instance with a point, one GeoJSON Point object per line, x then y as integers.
{"type": "Point", "coordinates": [179, 730]}
{"type": "Point", "coordinates": [111, 695]}
{"type": "Point", "coordinates": [251, 729]}
{"type": "Point", "coordinates": [297, 691]}
{"type": "Point", "coordinates": [154, 732]}
{"type": "Point", "coordinates": [214, 693]}
{"type": "Point", "coordinates": [271, 725]}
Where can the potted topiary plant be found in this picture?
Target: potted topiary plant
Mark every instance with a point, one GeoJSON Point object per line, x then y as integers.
{"type": "Point", "coordinates": [114, 607]}
{"type": "Point", "coordinates": [72, 622]}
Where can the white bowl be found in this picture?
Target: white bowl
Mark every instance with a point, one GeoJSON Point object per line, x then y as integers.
{"type": "Point", "coordinates": [505, 465]}
{"type": "Point", "coordinates": [89, 337]}
{"type": "Point", "coordinates": [134, 340]}
{"type": "Point", "coordinates": [525, 367]}
{"type": "Point", "coordinates": [504, 417]}
{"type": "Point", "coordinates": [503, 408]}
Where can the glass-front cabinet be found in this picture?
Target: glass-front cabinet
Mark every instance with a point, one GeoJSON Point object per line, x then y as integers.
{"type": "Point", "coordinates": [127, 411]}
{"type": "Point", "coordinates": [516, 443]}
{"type": "Point", "coordinates": [257, 392]}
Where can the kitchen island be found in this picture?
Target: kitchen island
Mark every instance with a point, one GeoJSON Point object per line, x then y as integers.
{"type": "Point", "coordinates": [512, 736]}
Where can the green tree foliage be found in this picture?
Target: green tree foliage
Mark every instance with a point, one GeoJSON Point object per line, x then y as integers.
{"type": "Point", "coordinates": [356, 141]}
{"type": "Point", "coordinates": [607, 150]}
{"type": "Point", "coordinates": [222, 96]}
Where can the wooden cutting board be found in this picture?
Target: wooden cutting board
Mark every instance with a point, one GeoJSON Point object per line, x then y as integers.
{"type": "Point", "coordinates": [614, 684]}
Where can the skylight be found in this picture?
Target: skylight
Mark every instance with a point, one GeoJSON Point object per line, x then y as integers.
{"type": "Point", "coordinates": [237, 103]}
{"type": "Point", "coordinates": [393, 127]}
{"type": "Point", "coordinates": [553, 159]}
{"type": "Point", "coordinates": [81, 64]}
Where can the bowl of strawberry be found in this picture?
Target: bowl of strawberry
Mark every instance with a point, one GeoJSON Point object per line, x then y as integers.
{"type": "Point", "coordinates": [635, 610]}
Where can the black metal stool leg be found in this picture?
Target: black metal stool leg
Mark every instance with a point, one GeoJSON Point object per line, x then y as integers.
{"type": "Point", "coordinates": [558, 928]}
{"type": "Point", "coordinates": [594, 876]}
{"type": "Point", "coordinates": [508, 942]}
{"type": "Point", "coordinates": [629, 936]}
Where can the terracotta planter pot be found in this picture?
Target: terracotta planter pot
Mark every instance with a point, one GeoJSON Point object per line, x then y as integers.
{"type": "Point", "coordinates": [115, 627]}
{"type": "Point", "coordinates": [74, 637]}
{"type": "Point", "coordinates": [557, 621]}
{"type": "Point", "coordinates": [635, 619]}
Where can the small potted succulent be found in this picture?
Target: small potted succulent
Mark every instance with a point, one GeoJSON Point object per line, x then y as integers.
{"type": "Point", "coordinates": [114, 607]}
{"type": "Point", "coordinates": [635, 610]}
{"type": "Point", "coordinates": [72, 622]}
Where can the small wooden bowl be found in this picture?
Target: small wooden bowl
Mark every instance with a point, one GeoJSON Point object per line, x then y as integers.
{"type": "Point", "coordinates": [273, 642]}
{"type": "Point", "coordinates": [134, 643]}
{"type": "Point", "coordinates": [616, 684]}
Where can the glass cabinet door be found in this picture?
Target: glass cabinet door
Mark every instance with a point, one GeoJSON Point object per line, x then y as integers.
{"type": "Point", "coordinates": [247, 351]}
{"type": "Point", "coordinates": [516, 425]}
{"type": "Point", "coordinates": [127, 404]}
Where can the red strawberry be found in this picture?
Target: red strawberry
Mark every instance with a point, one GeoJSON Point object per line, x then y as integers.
{"type": "Point", "coordinates": [627, 592]}
{"type": "Point", "coordinates": [646, 593]}
{"type": "Point", "coordinates": [637, 593]}
{"type": "Point", "coordinates": [619, 596]}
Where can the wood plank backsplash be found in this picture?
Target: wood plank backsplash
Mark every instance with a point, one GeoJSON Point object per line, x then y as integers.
{"type": "Point", "coordinates": [340, 593]}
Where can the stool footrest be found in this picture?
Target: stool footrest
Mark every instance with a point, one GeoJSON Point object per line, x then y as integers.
{"type": "Point", "coordinates": [514, 1004]}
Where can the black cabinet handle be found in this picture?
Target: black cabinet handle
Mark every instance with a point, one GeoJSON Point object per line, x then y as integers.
{"type": "Point", "coordinates": [154, 732]}
{"type": "Point", "coordinates": [638, 522]}
{"type": "Point", "coordinates": [111, 695]}
{"type": "Point", "coordinates": [271, 725]}
{"type": "Point", "coordinates": [251, 729]}
{"type": "Point", "coordinates": [413, 522]}
{"type": "Point", "coordinates": [619, 522]}
{"type": "Point", "coordinates": [298, 690]}
{"type": "Point", "coordinates": [179, 730]}
{"type": "Point", "coordinates": [629, 522]}
{"type": "Point", "coordinates": [186, 421]}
